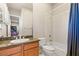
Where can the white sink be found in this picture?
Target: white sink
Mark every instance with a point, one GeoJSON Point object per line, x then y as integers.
{"type": "Point", "coordinates": [19, 41]}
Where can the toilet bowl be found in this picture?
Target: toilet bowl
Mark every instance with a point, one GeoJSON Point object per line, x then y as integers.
{"type": "Point", "coordinates": [48, 50]}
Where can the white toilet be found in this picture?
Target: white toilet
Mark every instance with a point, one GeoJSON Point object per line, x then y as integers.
{"type": "Point", "coordinates": [47, 50]}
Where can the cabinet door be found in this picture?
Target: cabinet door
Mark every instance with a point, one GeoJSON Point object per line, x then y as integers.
{"type": "Point", "coordinates": [31, 45]}
{"type": "Point", "coordinates": [32, 52]}
{"type": "Point", "coordinates": [17, 54]}
{"type": "Point", "coordinates": [36, 51]}
{"type": "Point", "coordinates": [10, 51]}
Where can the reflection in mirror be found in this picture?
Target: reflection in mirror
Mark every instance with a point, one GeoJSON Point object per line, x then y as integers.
{"type": "Point", "coordinates": [14, 25]}
{"type": "Point", "coordinates": [4, 20]}
{"type": "Point", "coordinates": [0, 26]}
{"type": "Point", "coordinates": [21, 19]}
{"type": "Point", "coordinates": [0, 29]}
{"type": "Point", "coordinates": [1, 22]}
{"type": "Point", "coordinates": [16, 19]}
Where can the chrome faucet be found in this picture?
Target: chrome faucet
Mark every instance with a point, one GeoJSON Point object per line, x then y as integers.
{"type": "Point", "coordinates": [15, 37]}
{"type": "Point", "coordinates": [20, 37]}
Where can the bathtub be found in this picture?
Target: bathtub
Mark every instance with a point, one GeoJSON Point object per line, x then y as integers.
{"type": "Point", "coordinates": [60, 49]}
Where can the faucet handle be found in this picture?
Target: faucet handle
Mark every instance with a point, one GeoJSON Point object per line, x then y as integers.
{"type": "Point", "coordinates": [23, 37]}
{"type": "Point", "coordinates": [19, 37]}
{"type": "Point", "coordinates": [16, 37]}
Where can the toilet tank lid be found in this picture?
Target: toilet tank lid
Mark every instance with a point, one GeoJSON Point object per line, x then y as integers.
{"type": "Point", "coordinates": [49, 47]}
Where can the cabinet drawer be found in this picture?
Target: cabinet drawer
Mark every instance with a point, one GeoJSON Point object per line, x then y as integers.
{"type": "Point", "coordinates": [10, 50]}
{"type": "Point", "coordinates": [32, 52]}
{"type": "Point", "coordinates": [31, 45]}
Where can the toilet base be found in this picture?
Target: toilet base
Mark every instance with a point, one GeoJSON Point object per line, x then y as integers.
{"type": "Point", "coordinates": [48, 53]}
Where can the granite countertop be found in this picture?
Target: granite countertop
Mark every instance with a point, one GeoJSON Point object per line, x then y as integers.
{"type": "Point", "coordinates": [6, 43]}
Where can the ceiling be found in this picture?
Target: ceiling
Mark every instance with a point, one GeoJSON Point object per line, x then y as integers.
{"type": "Point", "coordinates": [19, 6]}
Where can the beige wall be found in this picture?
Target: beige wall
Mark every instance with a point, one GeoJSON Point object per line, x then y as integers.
{"type": "Point", "coordinates": [60, 16]}
{"type": "Point", "coordinates": [41, 20]}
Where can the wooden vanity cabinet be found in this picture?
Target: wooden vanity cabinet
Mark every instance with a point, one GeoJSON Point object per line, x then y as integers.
{"type": "Point", "coordinates": [26, 49]}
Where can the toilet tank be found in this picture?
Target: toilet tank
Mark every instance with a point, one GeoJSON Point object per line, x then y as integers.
{"type": "Point", "coordinates": [42, 41]}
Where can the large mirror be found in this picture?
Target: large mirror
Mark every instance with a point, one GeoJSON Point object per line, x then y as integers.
{"type": "Point", "coordinates": [16, 19]}
{"type": "Point", "coordinates": [21, 19]}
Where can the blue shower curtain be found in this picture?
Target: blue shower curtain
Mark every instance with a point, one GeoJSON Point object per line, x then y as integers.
{"type": "Point", "coordinates": [73, 31]}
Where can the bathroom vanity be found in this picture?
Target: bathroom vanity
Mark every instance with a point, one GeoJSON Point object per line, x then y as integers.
{"type": "Point", "coordinates": [29, 48]}
{"type": "Point", "coordinates": [13, 25]}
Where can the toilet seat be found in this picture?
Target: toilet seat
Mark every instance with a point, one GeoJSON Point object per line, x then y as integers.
{"type": "Point", "coordinates": [49, 48]}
